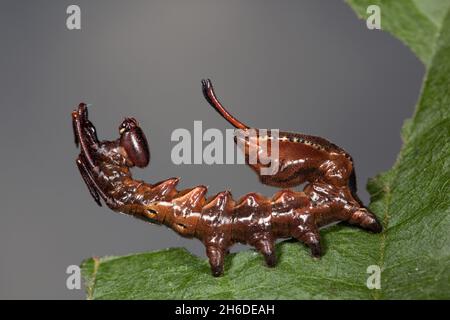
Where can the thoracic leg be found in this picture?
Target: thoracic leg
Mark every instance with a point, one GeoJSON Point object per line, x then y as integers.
{"type": "Point", "coordinates": [88, 180]}
{"type": "Point", "coordinates": [84, 133]}
{"type": "Point", "coordinates": [86, 137]}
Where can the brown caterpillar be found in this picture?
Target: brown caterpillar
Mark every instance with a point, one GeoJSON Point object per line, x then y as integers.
{"type": "Point", "coordinates": [219, 221]}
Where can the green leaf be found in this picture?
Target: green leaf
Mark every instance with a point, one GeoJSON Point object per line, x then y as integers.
{"type": "Point", "coordinates": [412, 200]}
{"type": "Point", "coordinates": [417, 23]}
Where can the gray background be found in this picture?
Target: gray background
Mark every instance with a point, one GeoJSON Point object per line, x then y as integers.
{"type": "Point", "coordinates": [308, 66]}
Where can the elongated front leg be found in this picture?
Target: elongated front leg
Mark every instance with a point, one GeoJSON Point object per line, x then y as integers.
{"type": "Point", "coordinates": [84, 133]}
{"type": "Point", "coordinates": [88, 180]}
{"type": "Point", "coordinates": [96, 192]}
{"type": "Point", "coordinates": [86, 137]}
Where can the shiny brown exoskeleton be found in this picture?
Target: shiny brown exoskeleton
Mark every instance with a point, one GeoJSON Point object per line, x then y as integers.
{"type": "Point", "coordinates": [220, 221]}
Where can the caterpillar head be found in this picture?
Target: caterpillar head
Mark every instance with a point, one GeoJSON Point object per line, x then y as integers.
{"type": "Point", "coordinates": [134, 142]}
